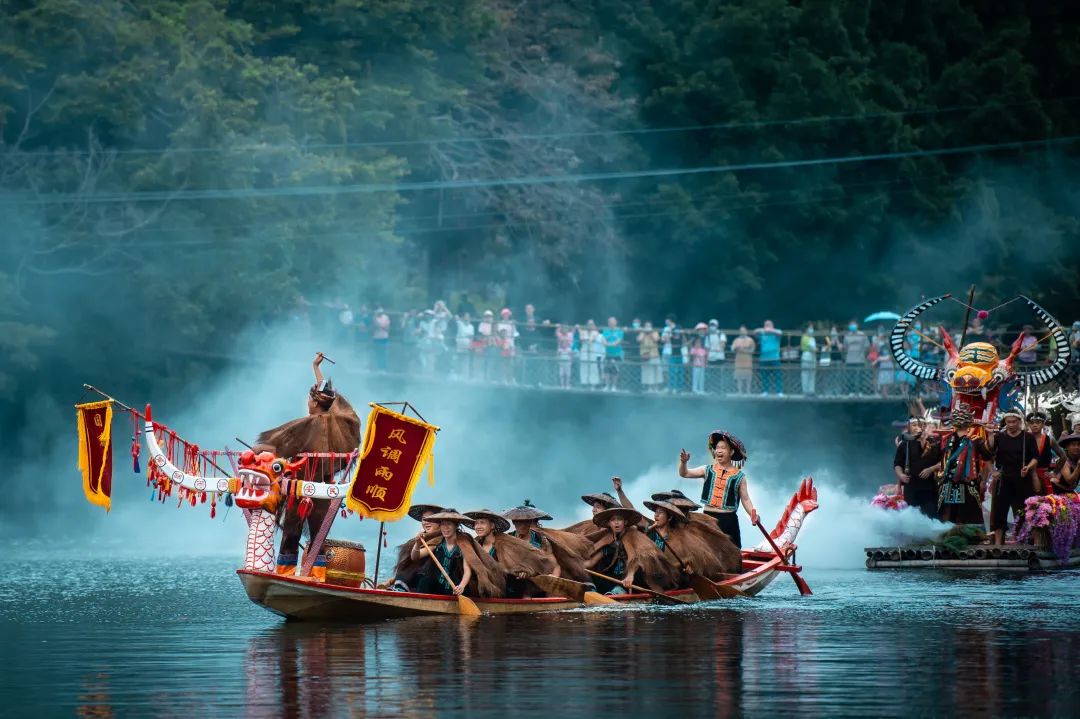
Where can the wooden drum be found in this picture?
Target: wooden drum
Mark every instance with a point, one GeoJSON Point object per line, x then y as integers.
{"type": "Point", "coordinates": [345, 562]}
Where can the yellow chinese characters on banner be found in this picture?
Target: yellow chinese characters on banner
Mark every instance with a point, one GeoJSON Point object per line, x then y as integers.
{"type": "Point", "coordinates": [395, 451]}
{"type": "Point", "coordinates": [95, 451]}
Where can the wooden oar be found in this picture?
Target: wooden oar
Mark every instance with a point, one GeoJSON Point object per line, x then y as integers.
{"type": "Point", "coordinates": [804, 588]}
{"type": "Point", "coordinates": [704, 587]}
{"type": "Point", "coordinates": [559, 587]}
{"type": "Point", "coordinates": [466, 606]}
{"type": "Point", "coordinates": [644, 590]}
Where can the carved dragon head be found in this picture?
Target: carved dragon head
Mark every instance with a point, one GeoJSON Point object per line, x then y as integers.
{"type": "Point", "coordinates": [976, 372]}
{"type": "Point", "coordinates": [260, 476]}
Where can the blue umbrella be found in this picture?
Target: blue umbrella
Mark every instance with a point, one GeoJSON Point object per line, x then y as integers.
{"type": "Point", "coordinates": [882, 317]}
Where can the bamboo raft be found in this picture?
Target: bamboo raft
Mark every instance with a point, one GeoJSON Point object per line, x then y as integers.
{"type": "Point", "coordinates": [1009, 558]}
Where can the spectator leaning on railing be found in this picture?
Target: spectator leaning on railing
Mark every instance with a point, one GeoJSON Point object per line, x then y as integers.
{"type": "Point", "coordinates": [652, 373]}
{"type": "Point", "coordinates": [856, 347]}
{"type": "Point", "coordinates": [716, 344]}
{"type": "Point", "coordinates": [808, 360]}
{"type": "Point", "coordinates": [769, 361]}
{"type": "Point", "coordinates": [743, 347]}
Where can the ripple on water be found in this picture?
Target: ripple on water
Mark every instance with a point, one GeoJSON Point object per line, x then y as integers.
{"type": "Point", "coordinates": [180, 637]}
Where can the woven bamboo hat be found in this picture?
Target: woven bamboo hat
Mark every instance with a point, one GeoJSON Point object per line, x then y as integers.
{"type": "Point", "coordinates": [451, 515]}
{"type": "Point", "coordinates": [738, 453]}
{"type": "Point", "coordinates": [417, 510]}
{"type": "Point", "coordinates": [501, 523]}
{"type": "Point", "coordinates": [525, 511]}
{"type": "Point", "coordinates": [602, 497]}
{"type": "Point", "coordinates": [673, 511]}
{"type": "Point", "coordinates": [632, 516]}
{"type": "Point", "coordinates": [678, 499]}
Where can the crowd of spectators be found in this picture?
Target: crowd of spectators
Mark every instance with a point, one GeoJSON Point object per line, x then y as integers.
{"type": "Point", "coordinates": [699, 358]}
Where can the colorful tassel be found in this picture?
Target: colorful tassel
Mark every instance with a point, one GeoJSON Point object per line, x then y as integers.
{"type": "Point", "coordinates": [304, 510]}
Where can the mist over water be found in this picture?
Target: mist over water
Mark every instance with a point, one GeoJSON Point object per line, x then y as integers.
{"type": "Point", "coordinates": [497, 446]}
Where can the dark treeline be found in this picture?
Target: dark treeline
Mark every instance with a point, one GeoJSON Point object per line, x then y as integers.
{"type": "Point", "coordinates": [175, 171]}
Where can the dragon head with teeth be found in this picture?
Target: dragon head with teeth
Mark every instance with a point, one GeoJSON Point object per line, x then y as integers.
{"type": "Point", "coordinates": [976, 373]}
{"type": "Point", "coordinates": [260, 475]}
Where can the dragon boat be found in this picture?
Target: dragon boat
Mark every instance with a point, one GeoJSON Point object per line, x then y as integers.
{"type": "Point", "coordinates": [348, 595]}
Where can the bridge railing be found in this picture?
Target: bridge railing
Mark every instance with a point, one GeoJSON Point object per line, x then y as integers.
{"type": "Point", "coordinates": [789, 379]}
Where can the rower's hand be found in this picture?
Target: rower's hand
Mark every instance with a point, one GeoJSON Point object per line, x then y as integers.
{"type": "Point", "coordinates": [627, 583]}
{"type": "Point", "coordinates": [1024, 470]}
{"type": "Point", "coordinates": [459, 589]}
{"type": "Point", "coordinates": [521, 575]}
{"type": "Point", "coordinates": [905, 478]}
{"type": "Point", "coordinates": [319, 357]}
{"type": "Point", "coordinates": [616, 482]}
{"type": "Point", "coordinates": [684, 456]}
{"type": "Point", "coordinates": [753, 516]}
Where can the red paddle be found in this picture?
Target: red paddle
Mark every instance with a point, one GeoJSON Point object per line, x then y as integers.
{"type": "Point", "coordinates": [804, 588]}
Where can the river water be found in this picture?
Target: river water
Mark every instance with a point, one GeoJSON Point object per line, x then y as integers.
{"type": "Point", "coordinates": [135, 637]}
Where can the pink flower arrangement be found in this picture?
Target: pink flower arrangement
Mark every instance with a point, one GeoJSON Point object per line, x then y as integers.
{"type": "Point", "coordinates": [884, 501]}
{"type": "Point", "coordinates": [1060, 514]}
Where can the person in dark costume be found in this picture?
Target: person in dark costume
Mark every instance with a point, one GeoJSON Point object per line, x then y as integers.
{"type": "Point", "coordinates": [472, 570]}
{"type": "Point", "coordinates": [963, 452]}
{"type": "Point", "coordinates": [624, 553]}
{"type": "Point", "coordinates": [570, 550]}
{"type": "Point", "coordinates": [692, 546]}
{"type": "Point", "coordinates": [1068, 469]}
{"type": "Point", "coordinates": [599, 501]}
{"type": "Point", "coordinates": [1048, 448]}
{"type": "Point", "coordinates": [331, 425]}
{"type": "Point", "coordinates": [409, 572]}
{"type": "Point", "coordinates": [916, 456]}
{"type": "Point", "coordinates": [517, 558]}
{"type": "Point", "coordinates": [726, 485]}
{"type": "Point", "coordinates": [1016, 454]}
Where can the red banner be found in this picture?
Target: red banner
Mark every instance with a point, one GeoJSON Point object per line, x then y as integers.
{"type": "Point", "coordinates": [396, 449]}
{"type": "Point", "coordinates": [95, 451]}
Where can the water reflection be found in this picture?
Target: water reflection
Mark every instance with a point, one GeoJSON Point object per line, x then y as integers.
{"type": "Point", "coordinates": [864, 645]}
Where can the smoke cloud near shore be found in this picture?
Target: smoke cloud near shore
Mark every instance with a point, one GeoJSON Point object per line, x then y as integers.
{"type": "Point", "coordinates": [497, 447]}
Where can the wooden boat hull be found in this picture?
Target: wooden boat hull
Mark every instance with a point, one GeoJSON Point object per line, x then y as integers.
{"type": "Point", "coordinates": [305, 600]}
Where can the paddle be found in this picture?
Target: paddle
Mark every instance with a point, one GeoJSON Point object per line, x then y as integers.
{"type": "Point", "coordinates": [559, 587]}
{"type": "Point", "coordinates": [466, 606]}
{"type": "Point", "coordinates": [804, 588]}
{"type": "Point", "coordinates": [704, 587]}
{"type": "Point", "coordinates": [659, 595]}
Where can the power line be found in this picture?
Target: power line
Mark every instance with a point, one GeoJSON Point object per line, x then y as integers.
{"type": "Point", "coordinates": [373, 188]}
{"type": "Point", "coordinates": [820, 119]}
{"type": "Point", "coordinates": [351, 222]}
{"type": "Point", "coordinates": [533, 223]}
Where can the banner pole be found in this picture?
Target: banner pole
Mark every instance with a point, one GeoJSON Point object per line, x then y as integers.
{"type": "Point", "coordinates": [378, 552]}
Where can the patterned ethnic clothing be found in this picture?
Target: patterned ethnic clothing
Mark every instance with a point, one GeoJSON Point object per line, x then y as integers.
{"type": "Point", "coordinates": [958, 486]}
{"type": "Point", "coordinates": [720, 492]}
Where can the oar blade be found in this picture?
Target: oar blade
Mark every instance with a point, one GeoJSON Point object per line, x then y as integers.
{"type": "Point", "coordinates": [467, 607]}
{"type": "Point", "coordinates": [597, 598]}
{"type": "Point", "coordinates": [559, 587]}
{"type": "Point", "coordinates": [704, 588]}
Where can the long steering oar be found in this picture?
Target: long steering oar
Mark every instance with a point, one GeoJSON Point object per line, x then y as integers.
{"type": "Point", "coordinates": [644, 590]}
{"type": "Point", "coordinates": [804, 588]}
{"type": "Point", "coordinates": [704, 587]}
{"type": "Point", "coordinates": [559, 587]}
{"type": "Point", "coordinates": [466, 606]}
